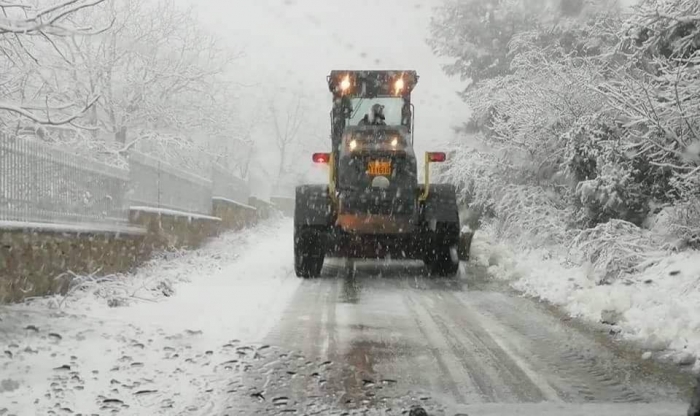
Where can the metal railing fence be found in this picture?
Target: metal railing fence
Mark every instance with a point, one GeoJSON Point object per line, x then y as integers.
{"type": "Point", "coordinates": [43, 184]}
{"type": "Point", "coordinates": [39, 183]}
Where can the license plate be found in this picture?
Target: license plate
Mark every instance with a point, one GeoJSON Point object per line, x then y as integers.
{"type": "Point", "coordinates": [379, 168]}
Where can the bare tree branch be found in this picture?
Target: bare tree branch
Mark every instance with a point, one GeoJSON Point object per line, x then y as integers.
{"type": "Point", "coordinates": [14, 5]}
{"type": "Point", "coordinates": [45, 19]}
{"type": "Point", "coordinates": [287, 136]}
{"type": "Point", "coordinates": [47, 121]}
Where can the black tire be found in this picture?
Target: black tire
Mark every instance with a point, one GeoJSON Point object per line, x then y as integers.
{"type": "Point", "coordinates": [308, 252]}
{"type": "Point", "coordinates": [440, 234]}
{"type": "Point", "coordinates": [440, 261]}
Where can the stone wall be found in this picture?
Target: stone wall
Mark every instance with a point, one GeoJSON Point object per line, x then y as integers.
{"type": "Point", "coordinates": [35, 259]}
{"type": "Point", "coordinates": [263, 208]}
{"type": "Point", "coordinates": [175, 230]}
{"type": "Point", "coordinates": [234, 215]}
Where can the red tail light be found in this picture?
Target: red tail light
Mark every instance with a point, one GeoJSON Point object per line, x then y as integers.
{"type": "Point", "coordinates": [437, 156]}
{"type": "Point", "coordinates": [321, 157]}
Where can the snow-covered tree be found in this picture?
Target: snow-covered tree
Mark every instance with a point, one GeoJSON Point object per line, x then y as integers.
{"type": "Point", "coordinates": [476, 35]}
{"type": "Point", "coordinates": [287, 122]}
{"type": "Point", "coordinates": [116, 73]}
{"type": "Point", "coordinates": [158, 67]}
{"type": "Point", "coordinates": [591, 114]}
{"type": "Point", "coordinates": [32, 64]}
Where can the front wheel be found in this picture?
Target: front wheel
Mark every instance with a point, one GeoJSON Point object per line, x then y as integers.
{"type": "Point", "coordinates": [308, 252]}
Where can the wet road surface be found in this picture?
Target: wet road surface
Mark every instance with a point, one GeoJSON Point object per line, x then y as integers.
{"type": "Point", "coordinates": [388, 337]}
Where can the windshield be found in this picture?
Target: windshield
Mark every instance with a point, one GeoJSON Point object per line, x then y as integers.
{"type": "Point", "coordinates": [363, 106]}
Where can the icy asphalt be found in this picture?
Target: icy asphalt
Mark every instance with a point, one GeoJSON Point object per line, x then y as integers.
{"type": "Point", "coordinates": [240, 334]}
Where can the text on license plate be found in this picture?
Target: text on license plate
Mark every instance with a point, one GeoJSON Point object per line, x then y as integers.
{"type": "Point", "coordinates": [379, 168]}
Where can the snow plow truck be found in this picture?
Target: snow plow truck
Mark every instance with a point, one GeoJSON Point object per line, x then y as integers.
{"type": "Point", "coordinates": [373, 206]}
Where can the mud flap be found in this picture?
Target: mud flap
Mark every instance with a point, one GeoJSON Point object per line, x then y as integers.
{"type": "Point", "coordinates": [465, 244]}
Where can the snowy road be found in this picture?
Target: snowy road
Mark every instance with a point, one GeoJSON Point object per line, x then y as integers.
{"type": "Point", "coordinates": [455, 341]}
{"type": "Point", "coordinates": [243, 335]}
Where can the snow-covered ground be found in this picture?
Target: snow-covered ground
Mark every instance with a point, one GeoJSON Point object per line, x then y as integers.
{"type": "Point", "coordinates": [167, 339]}
{"type": "Point", "coordinates": [658, 307]}
{"type": "Point", "coordinates": [122, 345]}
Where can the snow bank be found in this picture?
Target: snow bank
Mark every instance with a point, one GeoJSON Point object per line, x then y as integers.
{"type": "Point", "coordinates": [659, 305]}
{"type": "Point", "coordinates": [149, 342]}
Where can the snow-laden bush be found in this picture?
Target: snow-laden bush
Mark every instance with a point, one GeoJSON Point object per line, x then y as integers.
{"type": "Point", "coordinates": [473, 173]}
{"type": "Point", "coordinates": [531, 217]}
{"type": "Point", "coordinates": [679, 224]}
{"type": "Point", "coordinates": [604, 187]}
{"type": "Point", "coordinates": [534, 217]}
{"type": "Point", "coordinates": [523, 213]}
{"type": "Point", "coordinates": [616, 248]}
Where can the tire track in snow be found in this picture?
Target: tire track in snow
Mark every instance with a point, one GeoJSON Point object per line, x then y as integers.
{"type": "Point", "coordinates": [499, 375]}
{"type": "Point", "coordinates": [575, 364]}
{"type": "Point", "coordinates": [433, 336]}
{"type": "Point", "coordinates": [508, 375]}
{"type": "Point", "coordinates": [452, 372]}
{"type": "Point", "coordinates": [307, 327]}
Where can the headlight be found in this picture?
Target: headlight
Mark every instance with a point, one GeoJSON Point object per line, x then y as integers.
{"type": "Point", "coordinates": [345, 83]}
{"type": "Point", "coordinates": [352, 144]}
{"type": "Point", "coordinates": [395, 142]}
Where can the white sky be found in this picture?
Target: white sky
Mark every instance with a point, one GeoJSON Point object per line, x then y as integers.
{"type": "Point", "coordinates": [291, 45]}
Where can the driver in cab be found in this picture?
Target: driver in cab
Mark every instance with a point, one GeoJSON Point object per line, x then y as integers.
{"type": "Point", "coordinates": [375, 117]}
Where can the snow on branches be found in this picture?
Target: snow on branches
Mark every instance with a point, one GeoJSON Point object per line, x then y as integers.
{"type": "Point", "coordinates": [29, 42]}
{"type": "Point", "coordinates": [617, 248]}
{"type": "Point", "coordinates": [22, 18]}
{"type": "Point", "coordinates": [102, 75]}
{"type": "Point", "coordinates": [596, 114]}
{"type": "Point", "coordinates": [669, 28]}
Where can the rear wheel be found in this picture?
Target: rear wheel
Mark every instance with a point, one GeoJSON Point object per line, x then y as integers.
{"type": "Point", "coordinates": [308, 252]}
{"type": "Point", "coordinates": [442, 252]}
{"type": "Point", "coordinates": [442, 260]}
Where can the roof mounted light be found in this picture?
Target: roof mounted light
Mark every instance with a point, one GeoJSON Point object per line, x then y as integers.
{"type": "Point", "coordinates": [371, 83]}
{"type": "Point", "coordinates": [345, 83]}
{"type": "Point", "coordinates": [399, 85]}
